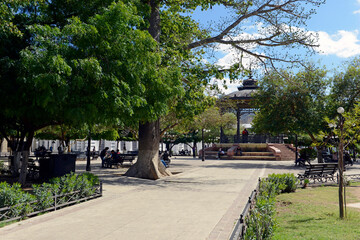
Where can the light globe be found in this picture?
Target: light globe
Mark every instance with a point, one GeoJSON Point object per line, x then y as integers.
{"type": "Point", "coordinates": [340, 110]}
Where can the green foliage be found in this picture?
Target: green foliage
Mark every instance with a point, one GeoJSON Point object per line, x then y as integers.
{"type": "Point", "coordinates": [346, 85]}
{"type": "Point", "coordinates": [293, 103]}
{"type": "Point", "coordinates": [22, 203]}
{"type": "Point", "coordinates": [44, 194]}
{"type": "Point", "coordinates": [82, 184]}
{"type": "Point", "coordinates": [308, 153]}
{"type": "Point", "coordinates": [261, 222]}
{"type": "Point", "coordinates": [279, 183]}
{"type": "Point", "coordinates": [18, 200]}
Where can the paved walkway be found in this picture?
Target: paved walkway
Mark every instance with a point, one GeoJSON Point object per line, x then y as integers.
{"type": "Point", "coordinates": [201, 202]}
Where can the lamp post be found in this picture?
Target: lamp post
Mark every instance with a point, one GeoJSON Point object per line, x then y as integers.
{"type": "Point", "coordinates": [202, 145]}
{"type": "Point", "coordinates": [296, 148]}
{"type": "Point", "coordinates": [88, 167]}
{"type": "Point", "coordinates": [340, 126]}
{"type": "Point", "coordinates": [340, 111]}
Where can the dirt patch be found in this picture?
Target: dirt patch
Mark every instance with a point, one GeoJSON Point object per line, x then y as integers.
{"type": "Point", "coordinates": [284, 203]}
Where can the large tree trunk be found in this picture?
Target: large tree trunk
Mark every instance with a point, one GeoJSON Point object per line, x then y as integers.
{"type": "Point", "coordinates": [24, 165]}
{"type": "Point", "coordinates": [25, 160]}
{"type": "Point", "coordinates": [148, 164]}
{"type": "Point", "coordinates": [16, 166]}
{"type": "Point", "coordinates": [319, 154]}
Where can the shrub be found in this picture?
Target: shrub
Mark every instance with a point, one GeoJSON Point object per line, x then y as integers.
{"type": "Point", "coordinates": [83, 184]}
{"type": "Point", "coordinates": [261, 223]}
{"type": "Point", "coordinates": [44, 195]}
{"type": "Point", "coordinates": [22, 203]}
{"type": "Point", "coordinates": [13, 196]}
{"type": "Point", "coordinates": [284, 183]}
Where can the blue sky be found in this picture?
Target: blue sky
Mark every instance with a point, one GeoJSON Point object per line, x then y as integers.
{"type": "Point", "coordinates": [337, 24]}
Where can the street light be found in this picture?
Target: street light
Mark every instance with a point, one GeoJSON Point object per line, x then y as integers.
{"type": "Point", "coordinates": [340, 110]}
{"type": "Point", "coordinates": [340, 126]}
{"type": "Point", "coordinates": [88, 166]}
{"type": "Point", "coordinates": [202, 143]}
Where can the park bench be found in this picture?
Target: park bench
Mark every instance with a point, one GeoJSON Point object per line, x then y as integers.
{"type": "Point", "coordinates": [321, 172]}
{"type": "Point", "coordinates": [120, 160]}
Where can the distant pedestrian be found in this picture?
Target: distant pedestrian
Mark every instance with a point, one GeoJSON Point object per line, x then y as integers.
{"type": "Point", "coordinates": [245, 135]}
{"type": "Point", "coordinates": [60, 149]}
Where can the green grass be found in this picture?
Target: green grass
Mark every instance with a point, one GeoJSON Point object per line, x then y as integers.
{"type": "Point", "coordinates": [313, 213]}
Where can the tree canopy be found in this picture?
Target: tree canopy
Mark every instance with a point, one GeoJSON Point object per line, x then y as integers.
{"type": "Point", "coordinates": [77, 62]}
{"type": "Point", "coordinates": [295, 103]}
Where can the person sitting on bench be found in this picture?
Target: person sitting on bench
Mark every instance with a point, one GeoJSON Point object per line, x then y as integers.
{"type": "Point", "coordinates": [220, 153]}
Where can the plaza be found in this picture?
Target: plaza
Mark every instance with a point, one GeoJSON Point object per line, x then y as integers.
{"type": "Point", "coordinates": [201, 201]}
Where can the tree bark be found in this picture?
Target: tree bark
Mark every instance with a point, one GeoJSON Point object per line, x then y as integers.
{"type": "Point", "coordinates": [25, 160]}
{"type": "Point", "coordinates": [16, 166]}
{"type": "Point", "coordinates": [319, 154]}
{"type": "Point", "coordinates": [148, 164]}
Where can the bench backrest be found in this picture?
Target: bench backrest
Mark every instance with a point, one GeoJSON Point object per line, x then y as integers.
{"type": "Point", "coordinates": [321, 168]}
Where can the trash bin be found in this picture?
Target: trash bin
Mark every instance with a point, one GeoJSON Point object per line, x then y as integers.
{"type": "Point", "coordinates": [57, 165]}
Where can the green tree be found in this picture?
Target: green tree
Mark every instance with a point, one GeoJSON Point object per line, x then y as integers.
{"type": "Point", "coordinates": [68, 64]}
{"type": "Point", "coordinates": [345, 91]}
{"type": "Point", "coordinates": [73, 67]}
{"type": "Point", "coordinates": [182, 43]}
{"type": "Point", "coordinates": [346, 126]}
{"type": "Point", "coordinates": [293, 103]}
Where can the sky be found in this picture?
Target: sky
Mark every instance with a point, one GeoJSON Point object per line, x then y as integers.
{"type": "Point", "coordinates": [337, 23]}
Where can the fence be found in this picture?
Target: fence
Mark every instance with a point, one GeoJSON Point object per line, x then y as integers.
{"type": "Point", "coordinates": [240, 226]}
{"type": "Point", "coordinates": [252, 138]}
{"type": "Point", "coordinates": [59, 201]}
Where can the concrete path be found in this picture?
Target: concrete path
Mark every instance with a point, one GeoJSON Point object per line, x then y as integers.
{"type": "Point", "coordinates": [202, 201]}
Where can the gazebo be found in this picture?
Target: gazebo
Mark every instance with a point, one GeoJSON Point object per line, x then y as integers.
{"type": "Point", "coordinates": [241, 102]}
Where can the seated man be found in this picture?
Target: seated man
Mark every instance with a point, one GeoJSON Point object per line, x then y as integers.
{"type": "Point", "coordinates": [220, 153]}
{"type": "Point", "coordinates": [301, 160]}
{"type": "Point", "coordinates": [165, 157]}
{"type": "Point", "coordinates": [115, 157]}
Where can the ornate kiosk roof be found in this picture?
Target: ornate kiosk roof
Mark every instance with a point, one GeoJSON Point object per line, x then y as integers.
{"type": "Point", "coordinates": [244, 93]}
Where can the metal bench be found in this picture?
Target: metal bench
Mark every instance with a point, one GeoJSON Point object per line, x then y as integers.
{"type": "Point", "coordinates": [321, 172]}
{"type": "Point", "coordinates": [109, 162]}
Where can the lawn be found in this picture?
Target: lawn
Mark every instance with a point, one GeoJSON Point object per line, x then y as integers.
{"type": "Point", "coordinates": [313, 213]}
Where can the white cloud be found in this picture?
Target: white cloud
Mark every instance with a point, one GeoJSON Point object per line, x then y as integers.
{"type": "Point", "coordinates": [357, 11]}
{"type": "Point", "coordinates": [230, 87]}
{"type": "Point", "coordinates": [344, 44]}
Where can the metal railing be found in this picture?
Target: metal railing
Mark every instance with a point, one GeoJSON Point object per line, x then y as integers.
{"type": "Point", "coordinates": [59, 201]}
{"type": "Point", "coordinates": [240, 226]}
{"type": "Point", "coordinates": [252, 138]}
